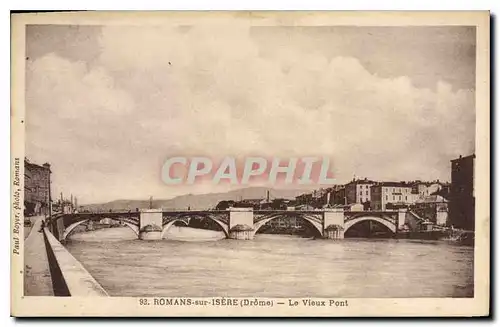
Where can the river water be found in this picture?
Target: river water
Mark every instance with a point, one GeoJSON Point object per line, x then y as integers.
{"type": "Point", "coordinates": [198, 263]}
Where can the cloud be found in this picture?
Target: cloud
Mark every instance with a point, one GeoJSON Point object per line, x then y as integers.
{"type": "Point", "coordinates": [156, 92]}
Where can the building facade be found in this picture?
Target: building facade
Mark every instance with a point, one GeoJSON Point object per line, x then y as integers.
{"type": "Point", "coordinates": [358, 191]}
{"type": "Point", "coordinates": [390, 195]}
{"type": "Point", "coordinates": [462, 197]}
{"type": "Point", "coordinates": [339, 196]}
{"type": "Point", "coordinates": [37, 198]}
{"type": "Point", "coordinates": [424, 189]}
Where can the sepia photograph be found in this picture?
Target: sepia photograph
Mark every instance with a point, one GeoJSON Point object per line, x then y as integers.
{"type": "Point", "coordinates": [250, 163]}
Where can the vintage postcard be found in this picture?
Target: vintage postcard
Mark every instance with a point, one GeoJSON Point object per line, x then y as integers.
{"type": "Point", "coordinates": [250, 164]}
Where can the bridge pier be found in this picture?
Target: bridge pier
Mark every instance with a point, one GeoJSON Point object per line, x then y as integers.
{"type": "Point", "coordinates": [150, 224]}
{"type": "Point", "coordinates": [333, 223]}
{"type": "Point", "coordinates": [401, 219]}
{"type": "Point", "coordinates": [241, 225]}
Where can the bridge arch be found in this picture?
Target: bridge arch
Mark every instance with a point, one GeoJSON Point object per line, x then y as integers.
{"type": "Point", "coordinates": [133, 227]}
{"type": "Point", "coordinates": [258, 225]}
{"type": "Point", "coordinates": [166, 227]}
{"type": "Point", "coordinates": [70, 228]}
{"type": "Point", "coordinates": [391, 226]}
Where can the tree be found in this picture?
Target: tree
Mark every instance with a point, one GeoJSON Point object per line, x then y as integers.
{"type": "Point", "coordinates": [224, 205]}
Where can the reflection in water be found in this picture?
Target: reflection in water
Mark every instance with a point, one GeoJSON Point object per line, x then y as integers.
{"type": "Point", "coordinates": [194, 262]}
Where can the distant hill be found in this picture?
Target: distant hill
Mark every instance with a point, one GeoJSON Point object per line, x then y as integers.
{"type": "Point", "coordinates": [197, 201]}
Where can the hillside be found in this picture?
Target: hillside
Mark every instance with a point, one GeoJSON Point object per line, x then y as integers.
{"type": "Point", "coordinates": [197, 201]}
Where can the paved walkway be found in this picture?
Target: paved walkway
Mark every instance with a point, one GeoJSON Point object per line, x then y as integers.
{"type": "Point", "coordinates": [37, 280]}
{"type": "Point", "coordinates": [28, 229]}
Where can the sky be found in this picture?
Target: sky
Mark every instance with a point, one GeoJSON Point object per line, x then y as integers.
{"type": "Point", "coordinates": [106, 105]}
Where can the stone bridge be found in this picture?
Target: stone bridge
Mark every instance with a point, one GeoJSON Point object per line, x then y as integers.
{"type": "Point", "coordinates": [237, 223]}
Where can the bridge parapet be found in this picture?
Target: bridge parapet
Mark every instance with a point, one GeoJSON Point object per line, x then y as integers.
{"type": "Point", "coordinates": [69, 277]}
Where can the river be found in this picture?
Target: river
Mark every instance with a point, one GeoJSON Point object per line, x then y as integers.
{"type": "Point", "coordinates": [199, 263]}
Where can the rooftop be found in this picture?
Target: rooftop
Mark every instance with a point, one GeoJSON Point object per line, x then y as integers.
{"type": "Point", "coordinates": [31, 165]}
{"type": "Point", "coordinates": [432, 199]}
{"type": "Point", "coordinates": [393, 184]}
{"type": "Point", "coordinates": [362, 181]}
{"type": "Point", "coordinates": [473, 156]}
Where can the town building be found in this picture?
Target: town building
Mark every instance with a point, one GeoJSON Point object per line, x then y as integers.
{"type": "Point", "coordinates": [391, 196]}
{"type": "Point", "coordinates": [37, 198]}
{"type": "Point", "coordinates": [424, 189]}
{"type": "Point", "coordinates": [358, 191]}
{"type": "Point", "coordinates": [249, 203]}
{"type": "Point", "coordinates": [433, 208]}
{"type": "Point", "coordinates": [339, 196]}
{"type": "Point", "coordinates": [316, 199]}
{"type": "Point", "coordinates": [462, 197]}
{"type": "Point", "coordinates": [304, 199]}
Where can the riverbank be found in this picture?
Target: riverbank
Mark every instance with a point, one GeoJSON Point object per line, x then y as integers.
{"type": "Point", "coordinates": [458, 237]}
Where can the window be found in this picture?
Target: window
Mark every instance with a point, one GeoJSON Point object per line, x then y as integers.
{"type": "Point", "coordinates": [387, 198]}
{"type": "Point", "coordinates": [366, 192]}
{"type": "Point", "coordinates": [406, 198]}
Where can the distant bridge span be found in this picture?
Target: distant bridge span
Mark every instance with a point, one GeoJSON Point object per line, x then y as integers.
{"type": "Point", "coordinates": [237, 223]}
